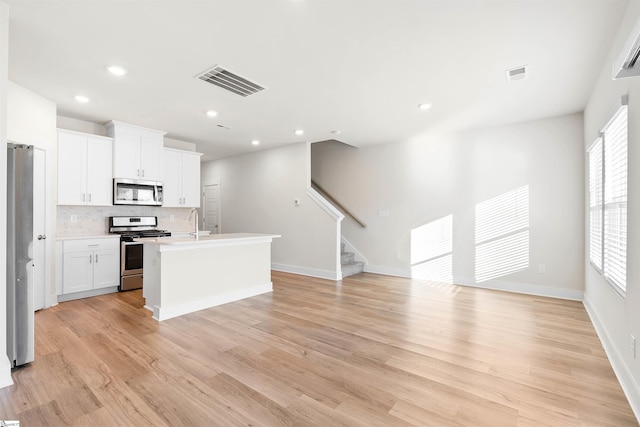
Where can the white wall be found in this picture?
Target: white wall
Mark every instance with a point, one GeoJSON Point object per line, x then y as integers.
{"type": "Point", "coordinates": [5, 367]}
{"type": "Point", "coordinates": [257, 193]}
{"type": "Point", "coordinates": [435, 176]}
{"type": "Point", "coordinates": [31, 119]}
{"type": "Point", "coordinates": [614, 316]}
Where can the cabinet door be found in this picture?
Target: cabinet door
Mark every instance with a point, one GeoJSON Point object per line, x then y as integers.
{"type": "Point", "coordinates": [191, 180]}
{"type": "Point", "coordinates": [151, 148]}
{"type": "Point", "coordinates": [72, 173]}
{"type": "Point", "coordinates": [106, 268]}
{"type": "Point", "coordinates": [100, 176]}
{"type": "Point", "coordinates": [77, 272]}
{"type": "Point", "coordinates": [172, 178]}
{"type": "Point", "coordinates": [126, 156]}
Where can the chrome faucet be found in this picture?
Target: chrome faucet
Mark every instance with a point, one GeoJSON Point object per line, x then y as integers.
{"type": "Point", "coordinates": [195, 233]}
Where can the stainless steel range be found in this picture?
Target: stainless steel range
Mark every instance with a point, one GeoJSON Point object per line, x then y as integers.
{"type": "Point", "coordinates": [131, 228]}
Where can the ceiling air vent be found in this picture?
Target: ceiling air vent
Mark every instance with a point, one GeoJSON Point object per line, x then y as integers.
{"type": "Point", "coordinates": [230, 81]}
{"type": "Point", "coordinates": [628, 62]}
{"type": "Point", "coordinates": [515, 74]}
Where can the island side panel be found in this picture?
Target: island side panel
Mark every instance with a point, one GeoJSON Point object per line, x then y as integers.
{"type": "Point", "coordinates": [151, 278]}
{"type": "Point", "coordinates": [200, 278]}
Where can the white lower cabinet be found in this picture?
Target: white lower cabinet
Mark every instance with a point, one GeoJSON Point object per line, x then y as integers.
{"type": "Point", "coordinates": [89, 265]}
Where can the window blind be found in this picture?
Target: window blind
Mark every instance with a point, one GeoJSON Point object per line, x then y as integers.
{"type": "Point", "coordinates": [615, 199]}
{"type": "Point", "coordinates": [595, 203]}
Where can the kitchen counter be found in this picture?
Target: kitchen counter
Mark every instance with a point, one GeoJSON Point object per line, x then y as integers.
{"type": "Point", "coordinates": [174, 243]}
{"type": "Point", "coordinates": [99, 236]}
{"type": "Point", "coordinates": [187, 274]}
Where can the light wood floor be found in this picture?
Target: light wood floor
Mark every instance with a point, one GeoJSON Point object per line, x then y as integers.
{"type": "Point", "coordinates": [371, 351]}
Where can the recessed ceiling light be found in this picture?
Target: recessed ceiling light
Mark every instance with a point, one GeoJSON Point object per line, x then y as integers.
{"type": "Point", "coordinates": [116, 70]}
{"type": "Point", "coordinates": [82, 99]}
{"type": "Point", "coordinates": [424, 106]}
{"type": "Point", "coordinates": [336, 132]}
{"type": "Point", "coordinates": [255, 142]}
{"type": "Point", "coordinates": [212, 113]}
{"type": "Point", "coordinates": [299, 132]}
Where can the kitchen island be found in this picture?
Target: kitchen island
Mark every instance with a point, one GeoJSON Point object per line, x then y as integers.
{"type": "Point", "coordinates": [187, 274]}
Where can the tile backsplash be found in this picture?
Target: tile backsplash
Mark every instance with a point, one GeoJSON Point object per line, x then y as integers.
{"type": "Point", "coordinates": [94, 220]}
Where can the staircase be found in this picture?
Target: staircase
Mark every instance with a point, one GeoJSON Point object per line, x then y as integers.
{"type": "Point", "coordinates": [349, 265]}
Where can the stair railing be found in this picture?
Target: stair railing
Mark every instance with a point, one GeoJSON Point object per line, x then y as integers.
{"type": "Point", "coordinates": [336, 203]}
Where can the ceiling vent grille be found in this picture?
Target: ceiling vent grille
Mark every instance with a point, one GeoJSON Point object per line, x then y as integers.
{"type": "Point", "coordinates": [230, 81]}
{"type": "Point", "coordinates": [515, 74]}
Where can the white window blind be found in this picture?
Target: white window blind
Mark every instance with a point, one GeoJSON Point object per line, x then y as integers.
{"type": "Point", "coordinates": [615, 199]}
{"type": "Point", "coordinates": [608, 200]}
{"type": "Point", "coordinates": [595, 203]}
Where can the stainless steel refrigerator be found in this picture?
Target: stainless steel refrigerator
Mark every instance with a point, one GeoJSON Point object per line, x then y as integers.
{"type": "Point", "coordinates": [20, 317]}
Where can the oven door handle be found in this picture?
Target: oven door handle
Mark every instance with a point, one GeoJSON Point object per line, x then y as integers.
{"type": "Point", "coordinates": [131, 243]}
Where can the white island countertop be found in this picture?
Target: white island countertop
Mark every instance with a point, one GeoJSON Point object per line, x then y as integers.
{"type": "Point", "coordinates": [205, 241]}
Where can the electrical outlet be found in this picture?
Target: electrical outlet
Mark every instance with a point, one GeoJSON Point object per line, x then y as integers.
{"type": "Point", "coordinates": [398, 255]}
{"type": "Point", "coordinates": [172, 218]}
{"type": "Point", "coordinates": [383, 214]}
{"type": "Point", "coordinates": [542, 268]}
{"type": "Point", "coordinates": [633, 346]}
{"type": "Point", "coordinates": [74, 218]}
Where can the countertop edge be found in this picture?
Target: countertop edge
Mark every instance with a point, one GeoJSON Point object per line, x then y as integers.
{"type": "Point", "coordinates": [215, 240]}
{"type": "Point", "coordinates": [98, 236]}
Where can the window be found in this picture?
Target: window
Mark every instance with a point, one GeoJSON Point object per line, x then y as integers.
{"type": "Point", "coordinates": [608, 200]}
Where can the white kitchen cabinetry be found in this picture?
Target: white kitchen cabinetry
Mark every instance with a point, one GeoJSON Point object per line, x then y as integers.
{"type": "Point", "coordinates": [181, 180]}
{"type": "Point", "coordinates": [84, 169]}
{"type": "Point", "coordinates": [137, 151]}
{"type": "Point", "coordinates": [89, 265]}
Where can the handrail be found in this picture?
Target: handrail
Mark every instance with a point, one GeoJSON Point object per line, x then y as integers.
{"type": "Point", "coordinates": [339, 205]}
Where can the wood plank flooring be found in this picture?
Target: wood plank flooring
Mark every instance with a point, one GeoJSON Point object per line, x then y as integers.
{"type": "Point", "coordinates": [369, 351]}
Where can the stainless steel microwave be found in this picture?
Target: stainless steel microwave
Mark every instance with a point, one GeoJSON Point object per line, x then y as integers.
{"type": "Point", "coordinates": [136, 192]}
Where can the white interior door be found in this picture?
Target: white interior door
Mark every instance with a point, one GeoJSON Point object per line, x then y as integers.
{"type": "Point", "coordinates": [39, 228]}
{"type": "Point", "coordinates": [211, 208]}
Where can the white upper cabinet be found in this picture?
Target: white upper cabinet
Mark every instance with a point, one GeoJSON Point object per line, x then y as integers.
{"type": "Point", "coordinates": [181, 178]}
{"type": "Point", "coordinates": [84, 169]}
{"type": "Point", "coordinates": [137, 151]}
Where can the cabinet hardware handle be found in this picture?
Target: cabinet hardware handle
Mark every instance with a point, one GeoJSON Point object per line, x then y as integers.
{"type": "Point", "coordinates": [42, 237]}
{"type": "Point", "coordinates": [89, 197]}
{"type": "Point", "coordinates": [83, 197]}
{"type": "Point", "coordinates": [90, 257]}
{"type": "Point", "coordinates": [138, 172]}
{"type": "Point", "coordinates": [143, 173]}
{"type": "Point", "coordinates": [96, 258]}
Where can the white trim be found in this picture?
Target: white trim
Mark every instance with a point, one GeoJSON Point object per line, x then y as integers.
{"type": "Point", "coordinates": [165, 313]}
{"type": "Point", "coordinates": [5, 373]}
{"type": "Point", "coordinates": [625, 377]}
{"type": "Point", "coordinates": [324, 204]}
{"type": "Point", "coordinates": [304, 271]}
{"type": "Point", "coordinates": [522, 288]}
{"type": "Point", "coordinates": [388, 271]}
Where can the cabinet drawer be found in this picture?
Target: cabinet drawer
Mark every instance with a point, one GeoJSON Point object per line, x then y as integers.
{"type": "Point", "coordinates": [111, 243]}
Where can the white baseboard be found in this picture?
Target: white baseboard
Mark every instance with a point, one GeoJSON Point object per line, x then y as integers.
{"type": "Point", "coordinates": [312, 272]}
{"type": "Point", "coordinates": [387, 271]}
{"type": "Point", "coordinates": [629, 385]}
{"type": "Point", "coordinates": [5, 372]}
{"type": "Point", "coordinates": [164, 313]}
{"type": "Point", "coordinates": [522, 288]}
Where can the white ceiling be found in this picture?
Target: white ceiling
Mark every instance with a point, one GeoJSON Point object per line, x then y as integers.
{"type": "Point", "coordinates": [358, 66]}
